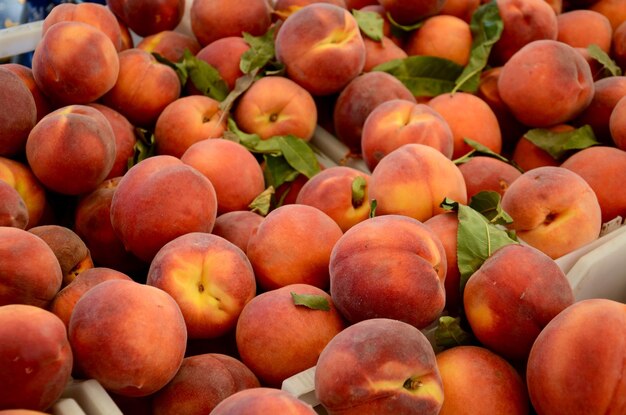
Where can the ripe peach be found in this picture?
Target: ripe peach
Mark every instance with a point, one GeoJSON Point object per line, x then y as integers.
{"type": "Point", "coordinates": [202, 382]}
{"type": "Point", "coordinates": [612, 9]}
{"type": "Point", "coordinates": [407, 12]}
{"type": "Point", "coordinates": [378, 52]}
{"type": "Point", "coordinates": [597, 29]}
{"type": "Point", "coordinates": [463, 9]}
{"type": "Point", "coordinates": [60, 164]}
{"type": "Point", "coordinates": [397, 122]}
{"type": "Point", "coordinates": [262, 400]}
{"type": "Point", "coordinates": [511, 298]}
{"type": "Point", "coordinates": [67, 80]}
{"type": "Point", "coordinates": [15, 125]}
{"type": "Point", "coordinates": [553, 210]}
{"type": "Point", "coordinates": [477, 380]}
{"type": "Point", "coordinates": [170, 44]}
{"type": "Point", "coordinates": [574, 336]}
{"type": "Point", "coordinates": [487, 173]}
{"type": "Point", "coordinates": [37, 359]}
{"type": "Point", "coordinates": [26, 75]}
{"type": "Point", "coordinates": [528, 156]}
{"type": "Point", "coordinates": [413, 180]}
{"type": "Point", "coordinates": [215, 19]}
{"type": "Point", "coordinates": [159, 199]}
{"type": "Point", "coordinates": [285, 8]}
{"type": "Point", "coordinates": [283, 250]}
{"type": "Point", "coordinates": [468, 116]}
{"type": "Point", "coordinates": [35, 281]}
{"type": "Point", "coordinates": [20, 176]}
{"type": "Point", "coordinates": [564, 74]}
{"type": "Point", "coordinates": [607, 92]}
{"type": "Point", "coordinates": [13, 210]}
{"type": "Point", "coordinates": [595, 165]}
{"type": "Point", "coordinates": [389, 266]}
{"type": "Point", "coordinates": [618, 48]}
{"type": "Point", "coordinates": [186, 121]}
{"type": "Point", "coordinates": [130, 337]}
{"type": "Point", "coordinates": [237, 226]}
{"type": "Point", "coordinates": [321, 47]}
{"type": "Point", "coordinates": [442, 36]}
{"type": "Point", "coordinates": [277, 338]}
{"type": "Point", "coordinates": [224, 54]}
{"type": "Point", "coordinates": [275, 105]}
{"type": "Point", "coordinates": [358, 99]}
{"type": "Point", "coordinates": [225, 163]}
{"type": "Point", "coordinates": [379, 366]}
{"type": "Point", "coordinates": [147, 18]}
{"type": "Point", "coordinates": [617, 124]}
{"type": "Point", "coordinates": [143, 88]}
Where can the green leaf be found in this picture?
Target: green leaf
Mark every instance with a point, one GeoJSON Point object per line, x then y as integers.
{"type": "Point", "coordinates": [486, 26]}
{"type": "Point", "coordinates": [449, 333]}
{"type": "Point", "coordinates": [251, 141]}
{"type": "Point", "coordinates": [558, 144]}
{"type": "Point", "coordinates": [373, 206]}
{"type": "Point", "coordinates": [144, 147]}
{"type": "Point", "coordinates": [241, 85]}
{"type": "Point", "coordinates": [298, 154]}
{"type": "Point", "coordinates": [487, 203]}
{"type": "Point", "coordinates": [479, 149]}
{"type": "Point", "coordinates": [608, 64]}
{"type": "Point", "coordinates": [370, 23]}
{"type": "Point", "coordinates": [263, 202]}
{"type": "Point", "coordinates": [261, 51]}
{"type": "Point", "coordinates": [426, 76]}
{"type": "Point", "coordinates": [180, 68]}
{"type": "Point", "coordinates": [278, 171]}
{"type": "Point", "coordinates": [312, 301]}
{"type": "Point", "coordinates": [404, 28]}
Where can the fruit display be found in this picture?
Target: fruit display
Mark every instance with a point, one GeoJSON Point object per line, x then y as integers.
{"type": "Point", "coordinates": [391, 204]}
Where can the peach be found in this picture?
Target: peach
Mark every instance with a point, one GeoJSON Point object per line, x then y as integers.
{"type": "Point", "coordinates": [143, 88]}
{"type": "Point", "coordinates": [159, 199]}
{"type": "Point", "coordinates": [358, 99]}
{"type": "Point", "coordinates": [26, 75]}
{"type": "Point", "coordinates": [283, 250]}
{"type": "Point", "coordinates": [128, 336]}
{"type": "Point", "coordinates": [202, 382]}
{"type": "Point", "coordinates": [379, 366]}
{"type": "Point", "coordinates": [275, 105]}
{"type": "Point", "coordinates": [69, 249]}
{"type": "Point", "coordinates": [475, 377]}
{"type": "Point", "coordinates": [359, 4]}
{"type": "Point", "coordinates": [262, 400]}
{"type": "Point", "coordinates": [225, 163]}
{"type": "Point", "coordinates": [288, 192]}
{"type": "Point", "coordinates": [97, 15]}
{"type": "Point", "coordinates": [389, 266]}
{"type": "Point", "coordinates": [378, 52]}
{"type": "Point", "coordinates": [397, 122]}
{"type": "Point", "coordinates": [529, 156]}
{"type": "Point", "coordinates": [321, 47]}
{"type": "Point", "coordinates": [463, 9]}
{"type": "Point", "coordinates": [339, 191]}
{"type": "Point", "coordinates": [237, 226]}
{"type": "Point", "coordinates": [29, 271]}
{"type": "Point", "coordinates": [617, 124]}
{"type": "Point", "coordinates": [612, 9]}
{"type": "Point", "coordinates": [524, 21]}
{"type": "Point", "coordinates": [618, 48]}
{"type": "Point", "coordinates": [224, 54]}
{"type": "Point", "coordinates": [127, 38]}
{"type": "Point", "coordinates": [60, 164]}
{"type": "Point", "coordinates": [511, 298]}
{"type": "Point", "coordinates": [170, 44]}
{"type": "Point", "coordinates": [21, 412]}
{"type": "Point", "coordinates": [468, 116]}
{"type": "Point", "coordinates": [277, 337]}
{"type": "Point", "coordinates": [125, 139]}
{"type": "Point", "coordinates": [20, 176]}
{"type": "Point", "coordinates": [413, 180]}
{"type": "Point", "coordinates": [442, 36]}
{"type": "Point", "coordinates": [607, 93]}
{"type": "Point", "coordinates": [148, 18]}
{"type": "Point", "coordinates": [487, 174]}
{"type": "Point", "coordinates": [15, 125]}
{"type": "Point", "coordinates": [562, 92]}
{"type": "Point", "coordinates": [595, 164]}
{"type": "Point", "coordinates": [285, 8]}
{"type": "Point", "coordinates": [567, 353]}
{"type": "Point", "coordinates": [553, 210]}
{"type": "Point", "coordinates": [13, 210]}
{"type": "Point", "coordinates": [407, 12]}
{"type": "Point", "coordinates": [210, 279]}
{"type": "Point", "coordinates": [215, 19]}
{"type": "Point", "coordinates": [36, 359]}
{"type": "Point", "coordinates": [65, 78]}
{"type": "Point", "coordinates": [597, 29]}
{"type": "Point", "coordinates": [557, 5]}
{"type": "Point", "coordinates": [186, 121]}
{"type": "Point", "coordinates": [64, 301]}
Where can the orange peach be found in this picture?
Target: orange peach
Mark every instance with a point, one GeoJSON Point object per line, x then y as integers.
{"type": "Point", "coordinates": [26, 75]}
{"type": "Point", "coordinates": [617, 124]}
{"type": "Point", "coordinates": [586, 339]}
{"type": "Point", "coordinates": [487, 174]}
{"type": "Point", "coordinates": [225, 163]}
{"type": "Point", "coordinates": [186, 121]}
{"type": "Point", "coordinates": [36, 358]}
{"type": "Point", "coordinates": [597, 29]}
{"type": "Point", "coordinates": [407, 12]}
{"type": "Point", "coordinates": [378, 52]}
{"type": "Point", "coordinates": [468, 116]}
{"type": "Point", "coordinates": [528, 156]}
{"type": "Point", "coordinates": [15, 125]}
{"type": "Point", "coordinates": [474, 377]}
{"type": "Point", "coordinates": [379, 366]}
{"type": "Point", "coordinates": [618, 48]}
{"type": "Point", "coordinates": [463, 9]}
{"type": "Point", "coordinates": [607, 92]}
{"type": "Point", "coordinates": [148, 18]}
{"type": "Point", "coordinates": [413, 180]}
{"type": "Point", "coordinates": [20, 176]}
{"type": "Point", "coordinates": [29, 271]}
{"type": "Point", "coordinates": [237, 226]}
{"type": "Point", "coordinates": [321, 47]}
{"type": "Point", "coordinates": [397, 122]}
{"type": "Point", "coordinates": [13, 211]}
{"type": "Point", "coordinates": [511, 298]}
{"type": "Point", "coordinates": [159, 199]}
{"type": "Point", "coordinates": [278, 338]}
{"type": "Point", "coordinates": [533, 99]}
{"type": "Point", "coordinates": [68, 79]}
{"type": "Point", "coordinates": [275, 105]}
{"type": "Point", "coordinates": [553, 210]}
{"type": "Point", "coordinates": [130, 337]}
{"type": "Point", "coordinates": [224, 54]}
{"type": "Point", "coordinates": [263, 400]}
{"type": "Point", "coordinates": [170, 44]}
{"type": "Point", "coordinates": [612, 9]}
{"type": "Point", "coordinates": [442, 36]}
{"type": "Point", "coordinates": [389, 266]}
{"type": "Point", "coordinates": [284, 8]}
{"type": "Point", "coordinates": [284, 251]}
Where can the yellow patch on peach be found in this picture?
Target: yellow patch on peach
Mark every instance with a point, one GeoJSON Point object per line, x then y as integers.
{"type": "Point", "coordinates": [482, 315]}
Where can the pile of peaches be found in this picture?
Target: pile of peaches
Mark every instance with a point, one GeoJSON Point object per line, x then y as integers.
{"type": "Point", "coordinates": [169, 227]}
